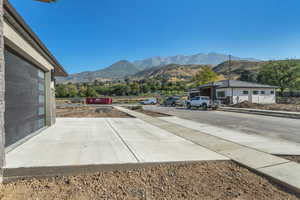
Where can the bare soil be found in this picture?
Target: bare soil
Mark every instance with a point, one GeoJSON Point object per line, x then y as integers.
{"type": "Point", "coordinates": [223, 180]}
{"type": "Point", "coordinates": [147, 112]}
{"type": "Point", "coordinates": [292, 158]}
{"type": "Point", "coordinates": [280, 107]}
{"type": "Point", "coordinates": [87, 111]}
{"type": "Point", "coordinates": [116, 100]}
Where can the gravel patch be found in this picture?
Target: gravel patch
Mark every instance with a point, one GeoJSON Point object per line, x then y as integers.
{"type": "Point", "coordinates": [223, 180]}
{"type": "Point", "coordinates": [90, 111]}
{"type": "Point", "coordinates": [140, 109]}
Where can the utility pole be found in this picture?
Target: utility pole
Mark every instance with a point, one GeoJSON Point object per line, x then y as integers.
{"type": "Point", "coordinates": [229, 77]}
{"type": "Point", "coordinates": [229, 67]}
{"type": "Point", "coordinates": [229, 70]}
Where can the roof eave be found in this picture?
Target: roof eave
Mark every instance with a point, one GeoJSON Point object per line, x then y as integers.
{"type": "Point", "coordinates": [31, 37]}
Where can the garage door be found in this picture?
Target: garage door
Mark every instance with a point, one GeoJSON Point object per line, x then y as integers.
{"type": "Point", "coordinates": [24, 98]}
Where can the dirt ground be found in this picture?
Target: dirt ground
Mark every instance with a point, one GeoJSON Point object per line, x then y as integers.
{"type": "Point", "coordinates": [87, 111]}
{"type": "Point", "coordinates": [116, 99]}
{"type": "Point", "coordinates": [282, 107]}
{"type": "Point", "coordinates": [292, 158]}
{"type": "Point", "coordinates": [223, 180]}
{"type": "Point", "coordinates": [147, 112]}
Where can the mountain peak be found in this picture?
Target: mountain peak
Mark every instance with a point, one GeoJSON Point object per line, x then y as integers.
{"type": "Point", "coordinates": [124, 68]}
{"type": "Point", "coordinates": [122, 61]}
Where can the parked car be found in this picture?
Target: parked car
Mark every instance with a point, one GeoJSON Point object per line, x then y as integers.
{"type": "Point", "coordinates": [202, 102]}
{"type": "Point", "coordinates": [181, 101]}
{"type": "Point", "coordinates": [171, 101]}
{"type": "Point", "coordinates": [77, 100]}
{"type": "Point", "coordinates": [152, 101]}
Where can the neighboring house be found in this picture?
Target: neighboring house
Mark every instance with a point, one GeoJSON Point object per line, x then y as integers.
{"type": "Point", "coordinates": [27, 88]}
{"type": "Point", "coordinates": [233, 91]}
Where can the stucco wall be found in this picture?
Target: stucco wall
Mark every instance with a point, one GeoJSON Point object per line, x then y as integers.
{"type": "Point", "coordinates": [266, 98]}
{"type": "Point", "coordinates": [50, 100]}
{"type": "Point", "coordinates": [238, 95]}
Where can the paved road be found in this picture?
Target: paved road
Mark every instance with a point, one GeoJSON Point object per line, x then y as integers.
{"type": "Point", "coordinates": [283, 128]}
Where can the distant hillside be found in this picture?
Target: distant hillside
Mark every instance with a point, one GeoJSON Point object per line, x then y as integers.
{"type": "Point", "coordinates": [172, 72]}
{"type": "Point", "coordinates": [243, 70]}
{"type": "Point", "coordinates": [238, 67]}
{"type": "Point", "coordinates": [200, 58]}
{"type": "Point", "coordinates": [118, 70]}
{"type": "Point", "coordinates": [124, 68]}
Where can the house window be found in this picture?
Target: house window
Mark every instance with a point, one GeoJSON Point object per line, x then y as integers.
{"type": "Point", "coordinates": [41, 74]}
{"type": "Point", "coordinates": [245, 92]}
{"type": "Point", "coordinates": [255, 92]}
{"type": "Point", "coordinates": [262, 92]}
{"type": "Point", "coordinates": [272, 92]}
{"type": "Point", "coordinates": [221, 94]}
{"type": "Point", "coordinates": [41, 87]}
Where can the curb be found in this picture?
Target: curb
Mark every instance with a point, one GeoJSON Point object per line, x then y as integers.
{"type": "Point", "coordinates": [27, 173]}
{"type": "Point", "coordinates": [293, 115]}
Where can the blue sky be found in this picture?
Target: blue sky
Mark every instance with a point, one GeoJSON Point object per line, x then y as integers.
{"type": "Point", "coordinates": [92, 34]}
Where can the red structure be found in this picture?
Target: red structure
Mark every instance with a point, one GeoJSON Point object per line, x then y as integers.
{"type": "Point", "coordinates": [98, 100]}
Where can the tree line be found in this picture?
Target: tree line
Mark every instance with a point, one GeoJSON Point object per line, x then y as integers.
{"type": "Point", "coordinates": [284, 74]}
{"type": "Point", "coordinates": [121, 88]}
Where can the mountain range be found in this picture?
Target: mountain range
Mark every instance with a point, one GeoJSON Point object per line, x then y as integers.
{"type": "Point", "coordinates": [117, 70]}
{"type": "Point", "coordinates": [171, 72]}
{"type": "Point", "coordinates": [124, 68]}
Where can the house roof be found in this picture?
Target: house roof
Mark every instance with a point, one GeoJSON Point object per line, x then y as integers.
{"type": "Point", "coordinates": [19, 24]}
{"type": "Point", "coordinates": [236, 84]}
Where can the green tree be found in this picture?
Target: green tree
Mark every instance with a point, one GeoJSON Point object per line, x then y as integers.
{"type": "Point", "coordinates": [297, 85]}
{"type": "Point", "coordinates": [120, 89]}
{"type": "Point", "coordinates": [205, 75]}
{"type": "Point", "coordinates": [91, 92]}
{"type": "Point", "coordinates": [283, 74]}
{"type": "Point", "coordinates": [72, 90]}
{"type": "Point", "coordinates": [82, 91]}
{"type": "Point", "coordinates": [246, 75]}
{"type": "Point", "coordinates": [61, 91]}
{"type": "Point", "coordinates": [145, 88]}
{"type": "Point", "coordinates": [135, 88]}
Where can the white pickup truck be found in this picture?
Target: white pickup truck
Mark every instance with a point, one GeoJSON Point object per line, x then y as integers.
{"type": "Point", "coordinates": [202, 102]}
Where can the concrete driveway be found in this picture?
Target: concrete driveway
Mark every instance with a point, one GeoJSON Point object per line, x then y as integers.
{"type": "Point", "coordinates": [96, 141]}
{"type": "Point", "coordinates": [273, 127]}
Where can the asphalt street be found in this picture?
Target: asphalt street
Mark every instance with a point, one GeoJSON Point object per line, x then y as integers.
{"type": "Point", "coordinates": [277, 127]}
